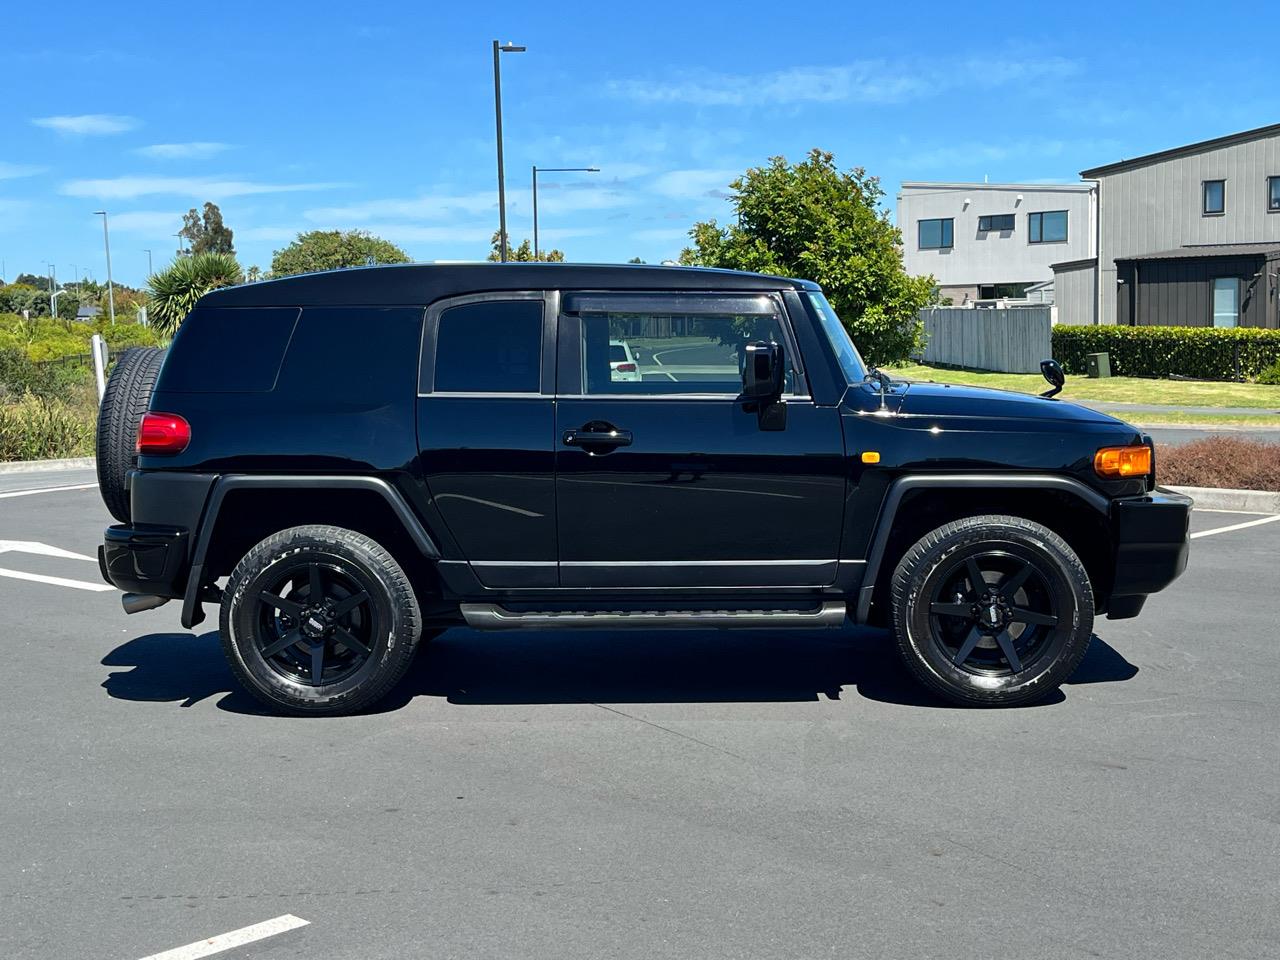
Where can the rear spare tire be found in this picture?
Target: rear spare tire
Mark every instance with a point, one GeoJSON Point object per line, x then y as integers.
{"type": "Point", "coordinates": [125, 400]}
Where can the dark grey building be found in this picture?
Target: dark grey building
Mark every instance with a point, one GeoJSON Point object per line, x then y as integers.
{"type": "Point", "coordinates": [1185, 236]}
{"type": "Point", "coordinates": [1220, 285]}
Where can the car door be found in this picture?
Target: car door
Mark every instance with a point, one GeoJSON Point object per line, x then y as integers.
{"type": "Point", "coordinates": [667, 479]}
{"type": "Point", "coordinates": [485, 433]}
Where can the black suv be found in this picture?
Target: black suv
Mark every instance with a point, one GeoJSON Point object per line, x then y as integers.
{"type": "Point", "coordinates": [350, 462]}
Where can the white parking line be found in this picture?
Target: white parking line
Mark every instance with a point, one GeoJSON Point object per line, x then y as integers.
{"type": "Point", "coordinates": [1234, 526]}
{"type": "Point", "coordinates": [56, 581]}
{"type": "Point", "coordinates": [236, 938]}
{"type": "Point", "coordinates": [29, 493]}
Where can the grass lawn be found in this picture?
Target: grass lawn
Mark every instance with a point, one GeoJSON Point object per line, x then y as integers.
{"type": "Point", "coordinates": [1121, 389]}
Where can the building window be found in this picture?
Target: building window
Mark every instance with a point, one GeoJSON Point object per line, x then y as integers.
{"type": "Point", "coordinates": [1226, 302]}
{"type": "Point", "coordinates": [1048, 227]}
{"type": "Point", "coordinates": [1215, 197]}
{"type": "Point", "coordinates": [997, 221]}
{"type": "Point", "coordinates": [936, 234]}
{"type": "Point", "coordinates": [1273, 194]}
{"type": "Point", "coordinates": [1002, 291]}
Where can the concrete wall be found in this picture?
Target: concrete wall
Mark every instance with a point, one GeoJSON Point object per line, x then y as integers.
{"type": "Point", "coordinates": [1157, 206]}
{"type": "Point", "coordinates": [1075, 292]}
{"type": "Point", "coordinates": [1010, 341]}
{"type": "Point", "coordinates": [997, 257]}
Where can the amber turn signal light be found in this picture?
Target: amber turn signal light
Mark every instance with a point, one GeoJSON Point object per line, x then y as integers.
{"type": "Point", "coordinates": [1122, 461]}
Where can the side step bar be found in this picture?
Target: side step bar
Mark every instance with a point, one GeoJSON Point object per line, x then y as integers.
{"type": "Point", "coordinates": [490, 616]}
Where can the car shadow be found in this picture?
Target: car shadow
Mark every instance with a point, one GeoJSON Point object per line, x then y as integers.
{"type": "Point", "coordinates": [469, 668]}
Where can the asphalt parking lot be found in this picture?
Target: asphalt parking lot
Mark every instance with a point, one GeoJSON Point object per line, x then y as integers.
{"type": "Point", "coordinates": [700, 795]}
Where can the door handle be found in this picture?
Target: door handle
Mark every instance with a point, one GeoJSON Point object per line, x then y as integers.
{"type": "Point", "coordinates": [597, 434]}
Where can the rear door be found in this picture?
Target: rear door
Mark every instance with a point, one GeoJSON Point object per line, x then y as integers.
{"type": "Point", "coordinates": [485, 432]}
{"type": "Point", "coordinates": [663, 477]}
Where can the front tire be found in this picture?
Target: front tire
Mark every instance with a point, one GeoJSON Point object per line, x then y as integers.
{"type": "Point", "coordinates": [319, 620]}
{"type": "Point", "coordinates": [992, 611]}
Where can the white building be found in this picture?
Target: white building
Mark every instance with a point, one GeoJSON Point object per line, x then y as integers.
{"type": "Point", "coordinates": [983, 241]}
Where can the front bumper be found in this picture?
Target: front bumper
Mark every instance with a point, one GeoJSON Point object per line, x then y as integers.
{"type": "Point", "coordinates": [1152, 540]}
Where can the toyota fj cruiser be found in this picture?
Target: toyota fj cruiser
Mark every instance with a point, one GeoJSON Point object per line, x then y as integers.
{"type": "Point", "coordinates": [350, 462]}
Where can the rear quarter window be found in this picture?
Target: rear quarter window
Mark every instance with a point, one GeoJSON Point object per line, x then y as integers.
{"type": "Point", "coordinates": [228, 350]}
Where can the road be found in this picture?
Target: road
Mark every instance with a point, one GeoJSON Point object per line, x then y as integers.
{"type": "Point", "coordinates": [747, 794]}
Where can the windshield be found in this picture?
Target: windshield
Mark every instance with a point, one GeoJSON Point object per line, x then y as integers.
{"type": "Point", "coordinates": [850, 363]}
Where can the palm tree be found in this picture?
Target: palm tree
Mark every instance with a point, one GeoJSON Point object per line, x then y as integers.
{"type": "Point", "coordinates": [175, 290]}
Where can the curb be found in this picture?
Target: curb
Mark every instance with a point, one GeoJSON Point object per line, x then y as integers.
{"type": "Point", "coordinates": [41, 466]}
{"type": "Point", "coordinates": [1246, 501]}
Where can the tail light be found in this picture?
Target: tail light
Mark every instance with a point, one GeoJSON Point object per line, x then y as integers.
{"type": "Point", "coordinates": [163, 434]}
{"type": "Point", "coordinates": [1112, 462]}
{"type": "Point", "coordinates": [626, 368]}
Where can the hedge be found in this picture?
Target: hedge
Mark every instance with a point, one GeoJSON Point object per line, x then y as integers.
{"type": "Point", "coordinates": [1205, 353]}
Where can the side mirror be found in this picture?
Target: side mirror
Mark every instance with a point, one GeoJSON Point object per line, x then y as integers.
{"type": "Point", "coordinates": [1052, 371]}
{"type": "Point", "coordinates": [762, 371]}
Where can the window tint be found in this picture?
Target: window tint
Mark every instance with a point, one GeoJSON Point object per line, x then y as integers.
{"type": "Point", "coordinates": [936, 234]}
{"type": "Point", "coordinates": [228, 350]}
{"type": "Point", "coordinates": [673, 353]}
{"type": "Point", "coordinates": [490, 348]}
{"type": "Point", "coordinates": [617, 353]}
{"type": "Point", "coordinates": [1215, 196]}
{"type": "Point", "coordinates": [1049, 227]}
{"type": "Point", "coordinates": [997, 221]}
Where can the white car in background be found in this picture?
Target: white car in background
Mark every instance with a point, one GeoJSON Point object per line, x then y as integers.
{"type": "Point", "coordinates": [622, 362]}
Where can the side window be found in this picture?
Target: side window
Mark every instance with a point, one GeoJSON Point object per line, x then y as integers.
{"type": "Point", "coordinates": [210, 354]}
{"type": "Point", "coordinates": [656, 352]}
{"type": "Point", "coordinates": [491, 347]}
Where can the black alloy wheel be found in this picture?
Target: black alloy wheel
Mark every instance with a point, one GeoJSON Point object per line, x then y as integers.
{"type": "Point", "coordinates": [319, 620]}
{"type": "Point", "coordinates": [316, 622]}
{"type": "Point", "coordinates": [994, 612]}
{"type": "Point", "coordinates": [991, 610]}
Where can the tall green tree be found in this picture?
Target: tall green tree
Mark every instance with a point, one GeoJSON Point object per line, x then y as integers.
{"type": "Point", "coordinates": [333, 249]}
{"type": "Point", "coordinates": [206, 233]}
{"type": "Point", "coordinates": [814, 221]}
{"type": "Point", "coordinates": [522, 253]}
{"type": "Point", "coordinates": [175, 290]}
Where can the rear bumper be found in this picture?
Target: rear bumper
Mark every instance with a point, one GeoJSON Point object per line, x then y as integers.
{"type": "Point", "coordinates": [1152, 541]}
{"type": "Point", "coordinates": [145, 558]}
{"type": "Point", "coordinates": [152, 554]}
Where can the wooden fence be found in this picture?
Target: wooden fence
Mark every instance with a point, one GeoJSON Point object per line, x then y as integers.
{"type": "Point", "coordinates": [1010, 340]}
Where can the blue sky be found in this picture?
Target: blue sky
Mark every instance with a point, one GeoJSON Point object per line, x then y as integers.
{"type": "Point", "coordinates": [379, 116]}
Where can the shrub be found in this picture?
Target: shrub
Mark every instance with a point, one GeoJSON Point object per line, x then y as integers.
{"type": "Point", "coordinates": [1271, 374]}
{"type": "Point", "coordinates": [1205, 353]}
{"type": "Point", "coordinates": [37, 429]}
{"type": "Point", "coordinates": [1220, 462]}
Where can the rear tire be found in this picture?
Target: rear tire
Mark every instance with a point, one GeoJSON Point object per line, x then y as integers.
{"type": "Point", "coordinates": [319, 620]}
{"type": "Point", "coordinates": [125, 399]}
{"type": "Point", "coordinates": [992, 611]}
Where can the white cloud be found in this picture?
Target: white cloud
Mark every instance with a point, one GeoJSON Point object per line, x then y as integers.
{"type": "Point", "coordinates": [662, 235]}
{"type": "Point", "coordinates": [147, 221]}
{"type": "Point", "coordinates": [88, 124]}
{"type": "Point", "coordinates": [695, 184]}
{"type": "Point", "coordinates": [205, 188]}
{"type": "Point", "coordinates": [554, 198]}
{"type": "Point", "coordinates": [196, 150]}
{"type": "Point", "coordinates": [862, 81]}
{"type": "Point", "coordinates": [12, 171]}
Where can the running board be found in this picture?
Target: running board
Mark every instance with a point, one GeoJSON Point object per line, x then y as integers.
{"type": "Point", "coordinates": [490, 616]}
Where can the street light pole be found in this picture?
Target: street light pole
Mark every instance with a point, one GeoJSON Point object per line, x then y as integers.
{"type": "Point", "coordinates": [149, 270]}
{"type": "Point", "coordinates": [106, 242]}
{"type": "Point", "coordinates": [498, 50]}
{"type": "Point", "coordinates": [535, 194]}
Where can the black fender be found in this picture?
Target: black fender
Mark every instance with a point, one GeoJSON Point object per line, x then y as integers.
{"type": "Point", "coordinates": [192, 606]}
{"type": "Point", "coordinates": [985, 481]}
